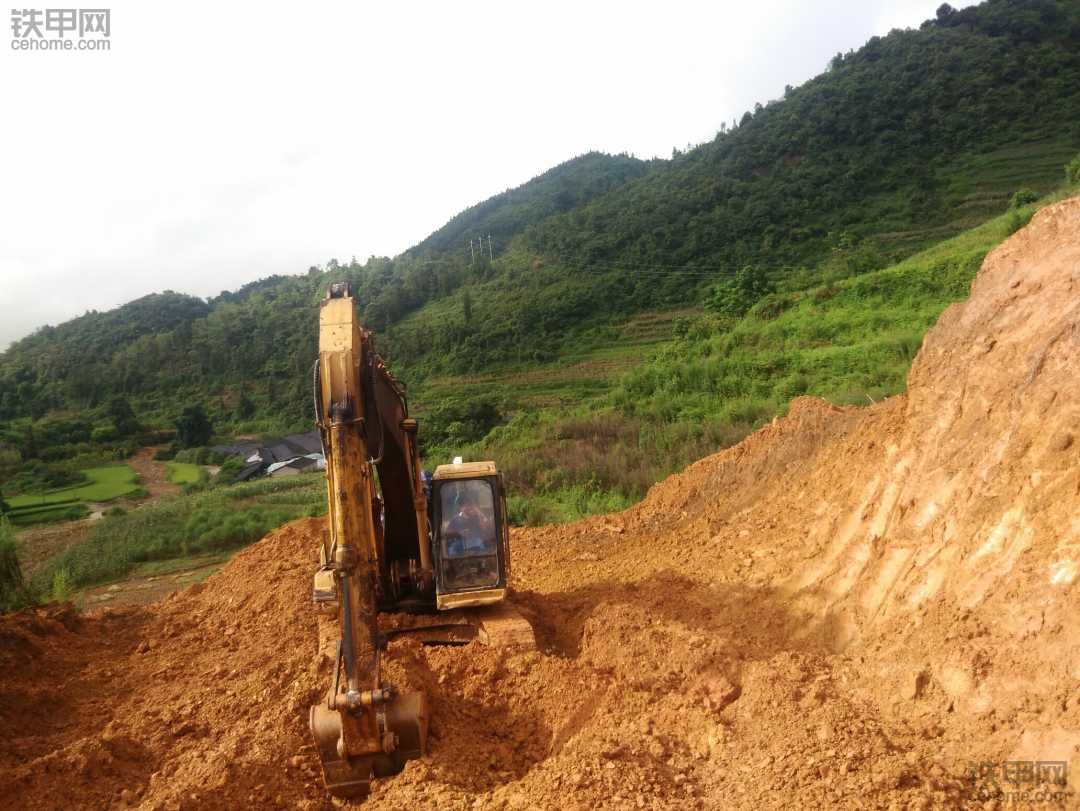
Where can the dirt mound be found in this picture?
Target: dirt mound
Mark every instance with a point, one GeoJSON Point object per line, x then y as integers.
{"type": "Point", "coordinates": [845, 610]}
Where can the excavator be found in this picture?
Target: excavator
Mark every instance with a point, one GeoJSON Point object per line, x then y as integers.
{"type": "Point", "coordinates": [400, 541]}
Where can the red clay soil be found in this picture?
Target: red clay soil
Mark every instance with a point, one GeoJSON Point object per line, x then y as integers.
{"type": "Point", "coordinates": [845, 610]}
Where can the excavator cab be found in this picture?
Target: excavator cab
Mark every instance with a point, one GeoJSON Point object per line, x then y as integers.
{"type": "Point", "coordinates": [470, 535]}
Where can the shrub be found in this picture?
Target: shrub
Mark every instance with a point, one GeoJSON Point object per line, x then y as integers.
{"type": "Point", "coordinates": [13, 591]}
{"type": "Point", "coordinates": [459, 422]}
{"type": "Point", "coordinates": [105, 432]}
{"type": "Point", "coordinates": [1072, 171]}
{"type": "Point", "coordinates": [229, 470]}
{"type": "Point", "coordinates": [37, 476]}
{"type": "Point", "coordinates": [61, 586]}
{"type": "Point", "coordinates": [1022, 197]}
{"type": "Point", "coordinates": [734, 296]}
{"type": "Point", "coordinates": [199, 456]}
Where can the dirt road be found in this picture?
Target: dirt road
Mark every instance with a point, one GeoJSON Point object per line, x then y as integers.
{"type": "Point", "coordinates": [153, 476]}
{"type": "Point", "coordinates": [853, 608]}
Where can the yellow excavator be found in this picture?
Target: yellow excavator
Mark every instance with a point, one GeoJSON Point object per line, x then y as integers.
{"type": "Point", "coordinates": [399, 540]}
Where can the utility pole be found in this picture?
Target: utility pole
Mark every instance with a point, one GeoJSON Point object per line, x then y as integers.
{"type": "Point", "coordinates": [491, 257]}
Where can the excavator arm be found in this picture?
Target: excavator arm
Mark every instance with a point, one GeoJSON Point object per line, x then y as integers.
{"type": "Point", "coordinates": [376, 550]}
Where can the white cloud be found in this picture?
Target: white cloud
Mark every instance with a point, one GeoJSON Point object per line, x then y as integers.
{"type": "Point", "coordinates": [215, 144]}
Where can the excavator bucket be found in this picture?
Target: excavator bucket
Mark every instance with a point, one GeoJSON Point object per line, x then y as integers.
{"type": "Point", "coordinates": [406, 718]}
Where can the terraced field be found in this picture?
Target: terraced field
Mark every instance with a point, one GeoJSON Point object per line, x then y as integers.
{"type": "Point", "coordinates": [590, 371]}
{"type": "Point", "coordinates": [106, 483]}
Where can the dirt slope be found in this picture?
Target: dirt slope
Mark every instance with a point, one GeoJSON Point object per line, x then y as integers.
{"type": "Point", "coordinates": [844, 610]}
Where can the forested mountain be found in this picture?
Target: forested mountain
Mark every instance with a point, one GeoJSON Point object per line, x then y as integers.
{"type": "Point", "coordinates": [884, 147]}
{"type": "Point", "coordinates": [907, 140]}
{"type": "Point", "coordinates": [564, 188]}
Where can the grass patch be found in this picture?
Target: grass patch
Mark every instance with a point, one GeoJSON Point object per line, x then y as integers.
{"type": "Point", "coordinates": [564, 505]}
{"type": "Point", "coordinates": [184, 473]}
{"type": "Point", "coordinates": [159, 568]}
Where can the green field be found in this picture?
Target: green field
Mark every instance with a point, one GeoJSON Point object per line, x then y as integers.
{"type": "Point", "coordinates": [184, 472]}
{"type": "Point", "coordinates": [106, 483]}
{"type": "Point", "coordinates": [209, 521]}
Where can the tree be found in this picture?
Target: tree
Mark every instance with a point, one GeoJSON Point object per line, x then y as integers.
{"type": "Point", "coordinates": [735, 295]}
{"type": "Point", "coordinates": [245, 409]}
{"type": "Point", "coordinates": [193, 427]}
{"type": "Point", "coordinates": [123, 418]}
{"type": "Point", "coordinates": [30, 448]}
{"type": "Point", "coordinates": [466, 307]}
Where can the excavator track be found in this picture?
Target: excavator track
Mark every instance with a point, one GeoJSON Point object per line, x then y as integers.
{"type": "Point", "coordinates": [502, 626]}
{"type": "Point", "coordinates": [497, 626]}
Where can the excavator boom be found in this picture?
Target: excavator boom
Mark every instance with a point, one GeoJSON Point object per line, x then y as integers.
{"type": "Point", "coordinates": [363, 728]}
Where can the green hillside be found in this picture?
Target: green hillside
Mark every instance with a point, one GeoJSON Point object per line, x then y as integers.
{"type": "Point", "coordinates": [644, 312]}
{"type": "Point", "coordinates": [600, 445]}
{"type": "Point", "coordinates": [564, 188]}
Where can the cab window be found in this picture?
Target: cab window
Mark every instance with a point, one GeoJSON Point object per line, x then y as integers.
{"type": "Point", "coordinates": [468, 534]}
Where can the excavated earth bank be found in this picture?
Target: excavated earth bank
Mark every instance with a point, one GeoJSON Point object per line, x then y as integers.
{"type": "Point", "coordinates": [845, 610]}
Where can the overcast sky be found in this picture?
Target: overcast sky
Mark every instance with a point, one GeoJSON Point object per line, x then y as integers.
{"type": "Point", "coordinates": [218, 143]}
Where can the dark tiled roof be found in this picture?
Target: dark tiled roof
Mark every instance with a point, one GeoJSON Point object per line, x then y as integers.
{"type": "Point", "coordinates": [276, 450]}
{"type": "Point", "coordinates": [310, 441]}
{"type": "Point", "coordinates": [244, 449]}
